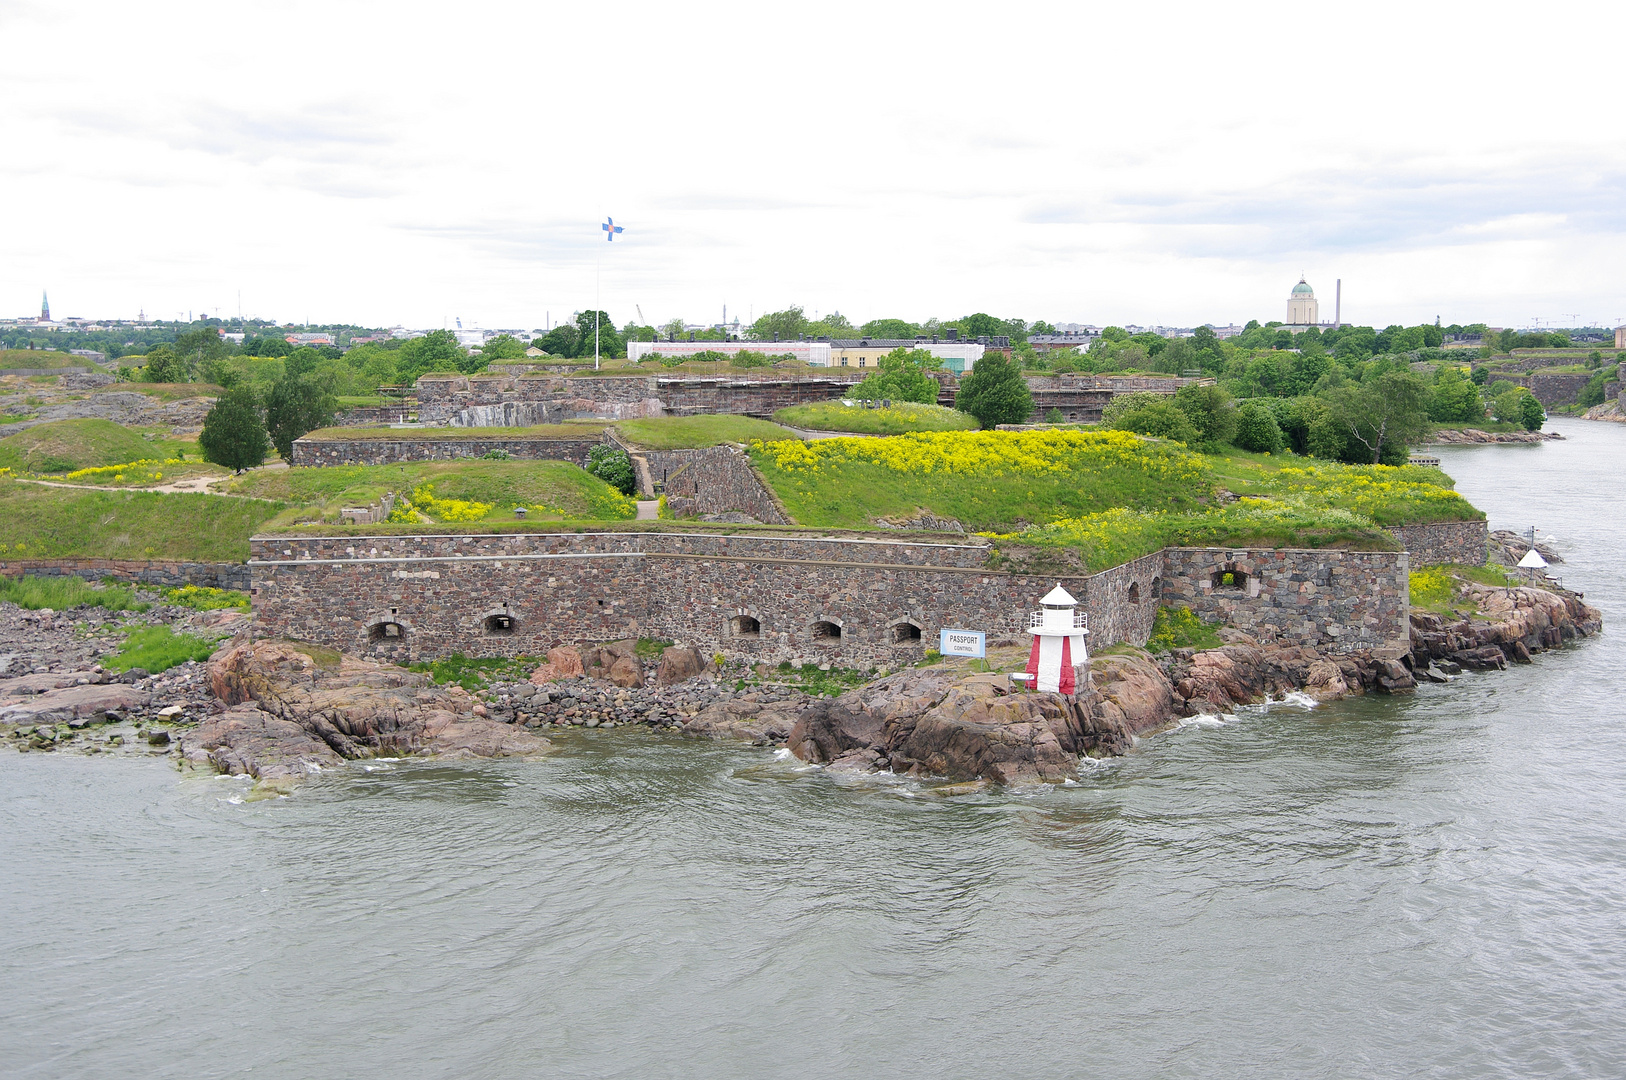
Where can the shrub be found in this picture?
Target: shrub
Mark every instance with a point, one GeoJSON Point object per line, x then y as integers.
{"type": "Point", "coordinates": [496, 455]}
{"type": "Point", "coordinates": [1150, 414]}
{"type": "Point", "coordinates": [1054, 416]}
{"type": "Point", "coordinates": [1257, 430]}
{"type": "Point", "coordinates": [1179, 628]}
{"type": "Point", "coordinates": [995, 392]}
{"type": "Point", "coordinates": [612, 465]}
{"type": "Point", "coordinates": [1432, 586]}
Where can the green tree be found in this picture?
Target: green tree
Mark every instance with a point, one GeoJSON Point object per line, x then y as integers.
{"type": "Point", "coordinates": [995, 392]}
{"type": "Point", "coordinates": [1383, 415]}
{"type": "Point", "coordinates": [889, 328]}
{"type": "Point", "coordinates": [1531, 414]}
{"type": "Point", "coordinates": [671, 328]}
{"type": "Point", "coordinates": [901, 376]}
{"type": "Point", "coordinates": [787, 325]}
{"type": "Point", "coordinates": [563, 340]}
{"type": "Point", "coordinates": [163, 366]}
{"type": "Point", "coordinates": [437, 350]}
{"type": "Point", "coordinates": [1454, 399]}
{"type": "Point", "coordinates": [233, 433]}
{"type": "Point", "coordinates": [1256, 428]}
{"type": "Point", "coordinates": [298, 404]}
{"type": "Point", "coordinates": [609, 339]}
{"type": "Point", "coordinates": [197, 347]}
{"type": "Point", "coordinates": [1211, 413]}
{"type": "Point", "coordinates": [503, 347]}
{"type": "Point", "coordinates": [611, 465]}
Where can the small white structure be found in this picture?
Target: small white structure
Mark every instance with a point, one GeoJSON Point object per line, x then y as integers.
{"type": "Point", "coordinates": [1532, 562]}
{"type": "Point", "coordinates": [1058, 651]}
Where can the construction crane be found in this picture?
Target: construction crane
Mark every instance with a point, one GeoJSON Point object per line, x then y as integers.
{"type": "Point", "coordinates": [640, 311]}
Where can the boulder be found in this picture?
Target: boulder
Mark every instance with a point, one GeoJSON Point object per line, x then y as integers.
{"type": "Point", "coordinates": [72, 703]}
{"type": "Point", "coordinates": [750, 720]}
{"type": "Point", "coordinates": [678, 664]}
{"type": "Point", "coordinates": [563, 663]}
{"type": "Point", "coordinates": [47, 680]}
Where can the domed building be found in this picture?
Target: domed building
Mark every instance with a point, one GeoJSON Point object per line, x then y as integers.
{"type": "Point", "coordinates": [1302, 309]}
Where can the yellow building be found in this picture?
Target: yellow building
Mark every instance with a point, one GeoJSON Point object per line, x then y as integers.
{"type": "Point", "coordinates": [1302, 309]}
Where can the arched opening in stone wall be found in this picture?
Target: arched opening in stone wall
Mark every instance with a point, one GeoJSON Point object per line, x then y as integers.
{"type": "Point", "coordinates": [905, 633]}
{"type": "Point", "coordinates": [745, 626]}
{"type": "Point", "coordinates": [386, 632]}
{"type": "Point", "coordinates": [499, 624]}
{"type": "Point", "coordinates": [1134, 592]}
{"type": "Point", "coordinates": [826, 631]}
{"type": "Point", "coordinates": [1157, 588]}
{"type": "Point", "coordinates": [1230, 578]}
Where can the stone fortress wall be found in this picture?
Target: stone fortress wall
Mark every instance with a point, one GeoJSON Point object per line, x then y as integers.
{"type": "Point", "coordinates": [394, 445]}
{"type": "Point", "coordinates": [845, 601]}
{"type": "Point", "coordinates": [510, 400]}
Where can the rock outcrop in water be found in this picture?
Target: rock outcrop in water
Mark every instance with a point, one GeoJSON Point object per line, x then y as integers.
{"type": "Point", "coordinates": [1508, 624]}
{"type": "Point", "coordinates": [292, 711]}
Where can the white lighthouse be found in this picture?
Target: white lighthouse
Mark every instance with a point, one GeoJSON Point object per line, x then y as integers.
{"type": "Point", "coordinates": [1058, 652]}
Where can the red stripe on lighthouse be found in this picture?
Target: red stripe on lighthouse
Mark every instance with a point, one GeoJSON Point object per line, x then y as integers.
{"type": "Point", "coordinates": [1033, 664]}
{"type": "Point", "coordinates": [1068, 683]}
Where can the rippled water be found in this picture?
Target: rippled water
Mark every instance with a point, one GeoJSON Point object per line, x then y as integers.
{"type": "Point", "coordinates": [1431, 886]}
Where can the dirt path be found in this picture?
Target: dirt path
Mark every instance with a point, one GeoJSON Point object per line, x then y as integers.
{"type": "Point", "coordinates": [648, 509]}
{"type": "Point", "coordinates": [192, 485]}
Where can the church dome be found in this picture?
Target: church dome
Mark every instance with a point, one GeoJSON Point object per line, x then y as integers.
{"type": "Point", "coordinates": [1303, 289]}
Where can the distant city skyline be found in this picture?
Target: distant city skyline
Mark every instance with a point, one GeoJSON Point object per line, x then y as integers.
{"type": "Point", "coordinates": [1189, 182]}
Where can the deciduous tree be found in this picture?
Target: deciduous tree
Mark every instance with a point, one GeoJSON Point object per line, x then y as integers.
{"type": "Point", "coordinates": [995, 392]}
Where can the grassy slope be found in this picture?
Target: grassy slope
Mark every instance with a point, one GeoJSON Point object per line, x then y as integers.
{"type": "Point", "coordinates": [164, 392]}
{"type": "Point", "coordinates": [63, 445]}
{"type": "Point", "coordinates": [851, 491]}
{"type": "Point", "coordinates": [901, 417]}
{"type": "Point", "coordinates": [37, 521]}
{"type": "Point", "coordinates": [687, 432]}
{"type": "Point", "coordinates": [558, 485]}
{"type": "Point", "coordinates": [584, 430]}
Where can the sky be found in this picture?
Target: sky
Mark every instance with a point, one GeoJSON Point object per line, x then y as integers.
{"type": "Point", "coordinates": [401, 163]}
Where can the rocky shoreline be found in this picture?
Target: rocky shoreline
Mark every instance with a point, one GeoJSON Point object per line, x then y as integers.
{"type": "Point", "coordinates": [1474, 436]}
{"type": "Point", "coordinates": [282, 711]}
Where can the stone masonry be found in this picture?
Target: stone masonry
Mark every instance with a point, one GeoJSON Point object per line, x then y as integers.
{"type": "Point", "coordinates": [771, 598]}
{"type": "Point", "coordinates": [1329, 599]}
{"type": "Point", "coordinates": [402, 445]}
{"type": "Point", "coordinates": [1462, 542]}
{"type": "Point", "coordinates": [144, 572]}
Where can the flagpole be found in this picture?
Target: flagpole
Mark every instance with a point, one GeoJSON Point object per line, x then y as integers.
{"type": "Point", "coordinates": [596, 304]}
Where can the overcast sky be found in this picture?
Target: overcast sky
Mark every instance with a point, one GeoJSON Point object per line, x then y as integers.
{"type": "Point", "coordinates": [384, 163]}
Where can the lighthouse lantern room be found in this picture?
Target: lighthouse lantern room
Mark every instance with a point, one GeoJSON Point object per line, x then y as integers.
{"type": "Point", "coordinates": [1058, 653]}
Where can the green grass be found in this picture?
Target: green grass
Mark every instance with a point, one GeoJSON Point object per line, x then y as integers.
{"type": "Point", "coordinates": [691, 432]}
{"type": "Point", "coordinates": [901, 417]}
{"type": "Point", "coordinates": [41, 358]}
{"type": "Point", "coordinates": [63, 593]}
{"type": "Point", "coordinates": [584, 430]}
{"type": "Point", "coordinates": [148, 476]}
{"type": "Point", "coordinates": [158, 648]}
{"type": "Point", "coordinates": [64, 445]}
{"type": "Point", "coordinates": [352, 401]}
{"type": "Point", "coordinates": [549, 489]}
{"type": "Point", "coordinates": [476, 674]}
{"type": "Point", "coordinates": [41, 522]}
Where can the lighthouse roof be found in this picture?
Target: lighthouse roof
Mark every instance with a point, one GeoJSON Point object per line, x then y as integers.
{"type": "Point", "coordinates": [1058, 597]}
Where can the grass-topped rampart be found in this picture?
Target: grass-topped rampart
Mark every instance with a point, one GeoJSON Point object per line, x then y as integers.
{"type": "Point", "coordinates": [694, 432]}
{"type": "Point", "coordinates": [985, 479]}
{"type": "Point", "coordinates": [554, 490]}
{"type": "Point", "coordinates": [896, 419]}
{"type": "Point", "coordinates": [1111, 496]}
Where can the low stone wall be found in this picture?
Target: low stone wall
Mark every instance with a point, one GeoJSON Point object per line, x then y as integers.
{"type": "Point", "coordinates": [1123, 600]}
{"type": "Point", "coordinates": [1338, 600]}
{"type": "Point", "coordinates": [145, 572]}
{"type": "Point", "coordinates": [426, 446]}
{"type": "Point", "coordinates": [1463, 542]}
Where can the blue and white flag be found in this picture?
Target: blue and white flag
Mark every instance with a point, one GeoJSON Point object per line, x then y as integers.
{"type": "Point", "coordinates": [610, 228]}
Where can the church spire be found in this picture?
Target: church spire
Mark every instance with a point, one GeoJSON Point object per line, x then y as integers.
{"type": "Point", "coordinates": [45, 306]}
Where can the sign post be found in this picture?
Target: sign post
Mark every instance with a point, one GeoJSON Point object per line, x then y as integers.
{"type": "Point", "coordinates": [973, 643]}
